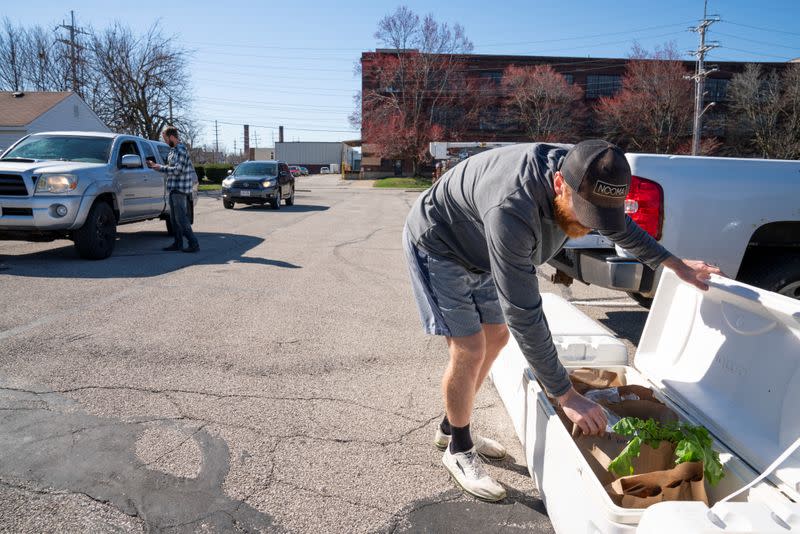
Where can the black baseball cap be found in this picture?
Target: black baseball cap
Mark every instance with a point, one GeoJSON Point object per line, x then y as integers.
{"type": "Point", "coordinates": [600, 177]}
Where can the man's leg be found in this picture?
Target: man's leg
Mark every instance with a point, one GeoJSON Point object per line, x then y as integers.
{"type": "Point", "coordinates": [177, 237]}
{"type": "Point", "coordinates": [191, 240]}
{"type": "Point", "coordinates": [458, 383]}
{"type": "Point", "coordinates": [496, 336]}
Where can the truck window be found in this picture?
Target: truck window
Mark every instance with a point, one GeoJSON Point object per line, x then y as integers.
{"type": "Point", "coordinates": [149, 153]}
{"type": "Point", "coordinates": [163, 150]}
{"type": "Point", "coordinates": [127, 147]}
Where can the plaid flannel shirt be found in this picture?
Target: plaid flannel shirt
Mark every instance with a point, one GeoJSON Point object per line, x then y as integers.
{"type": "Point", "coordinates": [179, 170]}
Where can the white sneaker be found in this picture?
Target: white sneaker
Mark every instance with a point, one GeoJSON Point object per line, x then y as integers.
{"type": "Point", "coordinates": [486, 447]}
{"type": "Point", "coordinates": [466, 469]}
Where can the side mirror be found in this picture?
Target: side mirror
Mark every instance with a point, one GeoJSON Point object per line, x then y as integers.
{"type": "Point", "coordinates": [131, 161]}
{"type": "Point", "coordinates": [230, 171]}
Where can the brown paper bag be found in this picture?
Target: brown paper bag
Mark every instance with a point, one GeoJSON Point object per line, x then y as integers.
{"type": "Point", "coordinates": [584, 379]}
{"type": "Point", "coordinates": [682, 483]}
{"type": "Point", "coordinates": [599, 451]}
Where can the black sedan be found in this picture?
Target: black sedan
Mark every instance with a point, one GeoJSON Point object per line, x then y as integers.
{"type": "Point", "coordinates": [259, 182]}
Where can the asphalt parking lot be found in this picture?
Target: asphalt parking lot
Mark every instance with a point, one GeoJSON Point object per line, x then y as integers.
{"type": "Point", "coordinates": [276, 381]}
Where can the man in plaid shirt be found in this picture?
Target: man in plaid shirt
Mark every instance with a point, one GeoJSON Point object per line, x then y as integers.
{"type": "Point", "coordinates": [180, 173]}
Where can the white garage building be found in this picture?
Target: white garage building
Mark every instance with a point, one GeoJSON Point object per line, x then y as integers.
{"type": "Point", "coordinates": [25, 113]}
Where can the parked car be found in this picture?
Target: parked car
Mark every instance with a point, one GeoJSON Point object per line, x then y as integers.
{"type": "Point", "coordinates": [81, 186]}
{"type": "Point", "coordinates": [738, 214]}
{"type": "Point", "coordinates": [325, 170]}
{"type": "Point", "coordinates": [304, 171]}
{"type": "Point", "coordinates": [259, 182]}
{"type": "Point", "coordinates": [295, 170]}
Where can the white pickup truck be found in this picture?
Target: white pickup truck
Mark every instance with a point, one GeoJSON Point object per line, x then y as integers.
{"type": "Point", "coordinates": [742, 215]}
{"type": "Point", "coordinates": [80, 186]}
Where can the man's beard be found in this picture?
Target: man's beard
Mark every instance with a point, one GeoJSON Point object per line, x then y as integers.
{"type": "Point", "coordinates": [171, 143]}
{"type": "Point", "coordinates": [570, 226]}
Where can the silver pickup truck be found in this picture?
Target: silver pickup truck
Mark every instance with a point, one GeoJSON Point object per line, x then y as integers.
{"type": "Point", "coordinates": [80, 186]}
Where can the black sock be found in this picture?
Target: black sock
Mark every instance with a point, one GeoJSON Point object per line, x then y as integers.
{"type": "Point", "coordinates": [444, 426]}
{"type": "Point", "coordinates": [460, 440]}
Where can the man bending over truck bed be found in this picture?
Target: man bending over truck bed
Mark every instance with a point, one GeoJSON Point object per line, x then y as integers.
{"type": "Point", "coordinates": [472, 243]}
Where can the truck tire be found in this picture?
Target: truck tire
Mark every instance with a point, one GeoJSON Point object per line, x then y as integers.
{"type": "Point", "coordinates": [95, 239]}
{"type": "Point", "coordinates": [228, 204]}
{"type": "Point", "coordinates": [779, 273]}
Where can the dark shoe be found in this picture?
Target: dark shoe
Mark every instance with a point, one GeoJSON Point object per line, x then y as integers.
{"type": "Point", "coordinates": [192, 248]}
{"type": "Point", "coordinates": [172, 248]}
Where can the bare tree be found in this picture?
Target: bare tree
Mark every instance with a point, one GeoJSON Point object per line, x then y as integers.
{"type": "Point", "coordinates": [135, 79]}
{"type": "Point", "coordinates": [422, 91]}
{"type": "Point", "coordinates": [765, 112]}
{"type": "Point", "coordinates": [541, 102]}
{"type": "Point", "coordinates": [12, 58]}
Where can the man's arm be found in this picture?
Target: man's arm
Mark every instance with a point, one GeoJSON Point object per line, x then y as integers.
{"type": "Point", "coordinates": [642, 245]}
{"type": "Point", "coordinates": [511, 243]}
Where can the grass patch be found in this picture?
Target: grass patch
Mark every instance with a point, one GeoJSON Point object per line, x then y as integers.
{"type": "Point", "coordinates": [403, 183]}
{"type": "Point", "coordinates": [209, 187]}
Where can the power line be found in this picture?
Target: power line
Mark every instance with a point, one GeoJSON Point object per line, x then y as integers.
{"type": "Point", "coordinates": [264, 126]}
{"type": "Point", "coordinates": [759, 28]}
{"type": "Point", "coordinates": [758, 42]}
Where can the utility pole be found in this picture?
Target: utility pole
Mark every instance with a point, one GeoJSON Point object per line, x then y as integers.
{"type": "Point", "coordinates": [255, 138]}
{"type": "Point", "coordinates": [700, 75]}
{"type": "Point", "coordinates": [170, 110]}
{"type": "Point", "coordinates": [73, 49]}
{"type": "Point", "coordinates": [216, 141]}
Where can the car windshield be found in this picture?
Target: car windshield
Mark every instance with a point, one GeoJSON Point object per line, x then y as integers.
{"type": "Point", "coordinates": [62, 148]}
{"type": "Point", "coordinates": [256, 169]}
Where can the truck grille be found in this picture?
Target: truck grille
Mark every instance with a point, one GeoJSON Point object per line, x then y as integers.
{"type": "Point", "coordinates": [246, 185]}
{"type": "Point", "coordinates": [12, 185]}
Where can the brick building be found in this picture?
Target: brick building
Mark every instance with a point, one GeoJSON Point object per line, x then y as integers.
{"type": "Point", "coordinates": [597, 76]}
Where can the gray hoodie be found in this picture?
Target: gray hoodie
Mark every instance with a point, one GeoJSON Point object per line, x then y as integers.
{"type": "Point", "coordinates": [493, 212]}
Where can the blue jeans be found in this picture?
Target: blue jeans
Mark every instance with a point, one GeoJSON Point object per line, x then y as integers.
{"type": "Point", "coordinates": [179, 217]}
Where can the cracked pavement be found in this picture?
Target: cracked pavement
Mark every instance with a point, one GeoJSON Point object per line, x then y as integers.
{"type": "Point", "coordinates": [277, 381]}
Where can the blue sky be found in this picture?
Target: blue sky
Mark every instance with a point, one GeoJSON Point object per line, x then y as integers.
{"type": "Point", "coordinates": [291, 63]}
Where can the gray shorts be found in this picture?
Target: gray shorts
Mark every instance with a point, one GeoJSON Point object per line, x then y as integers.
{"type": "Point", "coordinates": [451, 300]}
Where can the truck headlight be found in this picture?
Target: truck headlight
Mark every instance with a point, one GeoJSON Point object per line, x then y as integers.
{"type": "Point", "coordinates": [56, 183]}
{"type": "Point", "coordinates": [227, 182]}
{"type": "Point", "coordinates": [268, 183]}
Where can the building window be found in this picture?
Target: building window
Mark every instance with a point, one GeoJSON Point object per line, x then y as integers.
{"type": "Point", "coordinates": [716, 90]}
{"type": "Point", "coordinates": [598, 85]}
{"type": "Point", "coordinates": [570, 78]}
{"type": "Point", "coordinates": [494, 76]}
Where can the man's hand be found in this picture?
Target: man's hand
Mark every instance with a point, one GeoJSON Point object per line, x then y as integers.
{"type": "Point", "coordinates": [153, 165]}
{"type": "Point", "coordinates": [587, 415]}
{"type": "Point", "coordinates": [692, 271]}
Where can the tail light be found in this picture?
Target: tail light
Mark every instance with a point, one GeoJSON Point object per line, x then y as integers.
{"type": "Point", "coordinates": [645, 205]}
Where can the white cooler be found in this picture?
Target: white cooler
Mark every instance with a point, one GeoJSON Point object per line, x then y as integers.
{"type": "Point", "coordinates": [728, 359]}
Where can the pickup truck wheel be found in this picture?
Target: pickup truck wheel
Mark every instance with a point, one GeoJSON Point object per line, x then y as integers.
{"type": "Point", "coordinates": [779, 273]}
{"type": "Point", "coordinates": [227, 204]}
{"type": "Point", "coordinates": [290, 200]}
{"type": "Point", "coordinates": [95, 239]}
{"type": "Point", "coordinates": [644, 302]}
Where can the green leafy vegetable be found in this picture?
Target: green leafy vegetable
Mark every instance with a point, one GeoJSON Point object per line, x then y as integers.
{"type": "Point", "coordinates": [693, 444]}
